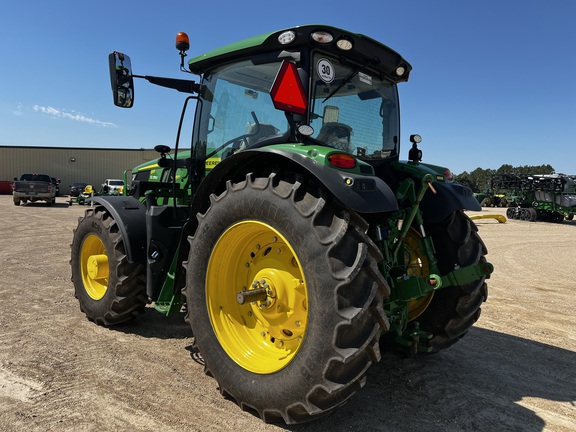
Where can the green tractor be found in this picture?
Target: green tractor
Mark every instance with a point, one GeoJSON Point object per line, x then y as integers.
{"type": "Point", "coordinates": [297, 242]}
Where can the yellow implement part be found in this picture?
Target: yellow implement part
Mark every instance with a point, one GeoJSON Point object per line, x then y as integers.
{"type": "Point", "coordinates": [498, 217]}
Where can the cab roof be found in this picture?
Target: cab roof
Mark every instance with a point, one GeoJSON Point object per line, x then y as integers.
{"type": "Point", "coordinates": [365, 50]}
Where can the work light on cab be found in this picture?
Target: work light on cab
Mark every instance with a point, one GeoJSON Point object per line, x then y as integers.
{"type": "Point", "coordinates": [287, 37]}
{"type": "Point", "coordinates": [344, 44]}
{"type": "Point", "coordinates": [322, 37]}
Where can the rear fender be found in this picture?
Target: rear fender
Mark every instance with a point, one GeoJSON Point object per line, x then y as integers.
{"type": "Point", "coordinates": [448, 198]}
{"type": "Point", "coordinates": [358, 192]}
{"type": "Point", "coordinates": [130, 216]}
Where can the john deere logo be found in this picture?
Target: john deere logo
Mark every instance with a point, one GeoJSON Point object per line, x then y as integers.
{"type": "Point", "coordinates": [212, 162]}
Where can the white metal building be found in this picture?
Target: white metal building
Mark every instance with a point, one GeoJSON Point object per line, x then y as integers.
{"type": "Point", "coordinates": [69, 164]}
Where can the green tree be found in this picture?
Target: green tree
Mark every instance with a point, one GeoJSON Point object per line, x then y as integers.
{"type": "Point", "coordinates": [480, 180]}
{"type": "Point", "coordinates": [464, 179]}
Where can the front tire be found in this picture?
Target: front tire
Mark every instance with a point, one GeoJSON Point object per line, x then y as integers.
{"type": "Point", "coordinates": [303, 348]}
{"type": "Point", "coordinates": [109, 288]}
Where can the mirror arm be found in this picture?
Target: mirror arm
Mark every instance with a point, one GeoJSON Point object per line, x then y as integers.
{"type": "Point", "coordinates": [184, 86]}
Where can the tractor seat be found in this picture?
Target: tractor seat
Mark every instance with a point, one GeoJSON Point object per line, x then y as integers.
{"type": "Point", "coordinates": [261, 131]}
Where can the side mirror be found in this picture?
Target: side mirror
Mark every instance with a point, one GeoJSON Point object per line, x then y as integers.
{"type": "Point", "coordinates": [121, 79]}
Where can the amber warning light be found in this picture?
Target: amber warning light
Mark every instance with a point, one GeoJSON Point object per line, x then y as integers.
{"type": "Point", "coordinates": [182, 42]}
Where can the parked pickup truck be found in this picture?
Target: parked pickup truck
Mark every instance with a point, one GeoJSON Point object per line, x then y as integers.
{"type": "Point", "coordinates": [34, 187]}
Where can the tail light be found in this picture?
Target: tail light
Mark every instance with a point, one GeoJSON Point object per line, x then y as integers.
{"type": "Point", "coordinates": [342, 160]}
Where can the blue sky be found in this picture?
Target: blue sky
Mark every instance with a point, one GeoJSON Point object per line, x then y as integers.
{"type": "Point", "coordinates": [493, 81]}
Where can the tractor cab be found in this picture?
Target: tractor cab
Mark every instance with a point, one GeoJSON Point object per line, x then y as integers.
{"type": "Point", "coordinates": [311, 86]}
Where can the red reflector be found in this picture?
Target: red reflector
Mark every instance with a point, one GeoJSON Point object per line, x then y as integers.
{"type": "Point", "coordinates": [342, 160]}
{"type": "Point", "coordinates": [287, 91]}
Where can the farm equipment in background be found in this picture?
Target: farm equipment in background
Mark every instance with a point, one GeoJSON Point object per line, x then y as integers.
{"type": "Point", "coordinates": [81, 199]}
{"type": "Point", "coordinates": [538, 197]}
{"type": "Point", "coordinates": [489, 199]}
{"type": "Point", "coordinates": [294, 237]}
{"type": "Point", "coordinates": [89, 192]}
{"type": "Point", "coordinates": [497, 217]}
{"type": "Point", "coordinates": [112, 187]}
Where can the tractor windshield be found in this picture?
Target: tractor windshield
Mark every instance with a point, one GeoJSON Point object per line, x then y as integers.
{"type": "Point", "coordinates": [353, 110]}
{"type": "Point", "coordinates": [350, 109]}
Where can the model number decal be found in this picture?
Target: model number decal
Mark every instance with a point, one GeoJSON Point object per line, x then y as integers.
{"type": "Point", "coordinates": [325, 70]}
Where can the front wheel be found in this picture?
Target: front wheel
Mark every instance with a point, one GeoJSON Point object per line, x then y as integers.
{"type": "Point", "coordinates": [284, 298]}
{"type": "Point", "coordinates": [109, 288]}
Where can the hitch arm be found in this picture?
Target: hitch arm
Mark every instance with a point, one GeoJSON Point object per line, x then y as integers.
{"type": "Point", "coordinates": [409, 190]}
{"type": "Point", "coordinates": [465, 275]}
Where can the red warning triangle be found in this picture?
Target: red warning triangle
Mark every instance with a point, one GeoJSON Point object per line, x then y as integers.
{"type": "Point", "coordinates": [287, 91]}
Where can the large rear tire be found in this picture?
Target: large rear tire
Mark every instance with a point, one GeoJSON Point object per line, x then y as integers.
{"type": "Point", "coordinates": [303, 348]}
{"type": "Point", "coordinates": [453, 310]}
{"type": "Point", "coordinates": [109, 288]}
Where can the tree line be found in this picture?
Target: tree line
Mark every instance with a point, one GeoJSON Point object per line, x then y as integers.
{"type": "Point", "coordinates": [480, 179]}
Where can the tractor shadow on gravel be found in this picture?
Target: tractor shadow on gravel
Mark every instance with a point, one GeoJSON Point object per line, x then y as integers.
{"type": "Point", "coordinates": [474, 385]}
{"type": "Point", "coordinates": [43, 204]}
{"type": "Point", "coordinates": [156, 325]}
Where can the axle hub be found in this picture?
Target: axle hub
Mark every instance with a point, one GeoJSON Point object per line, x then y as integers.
{"type": "Point", "coordinates": [254, 295]}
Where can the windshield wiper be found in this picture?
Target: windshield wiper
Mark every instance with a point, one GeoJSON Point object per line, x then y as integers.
{"type": "Point", "coordinates": [343, 83]}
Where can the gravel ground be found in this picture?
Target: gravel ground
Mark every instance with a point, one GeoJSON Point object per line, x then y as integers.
{"type": "Point", "coordinates": [514, 371]}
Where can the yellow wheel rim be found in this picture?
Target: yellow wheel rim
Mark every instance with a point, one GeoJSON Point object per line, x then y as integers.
{"type": "Point", "coordinates": [263, 335]}
{"type": "Point", "coordinates": [94, 267]}
{"type": "Point", "coordinates": [417, 266]}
